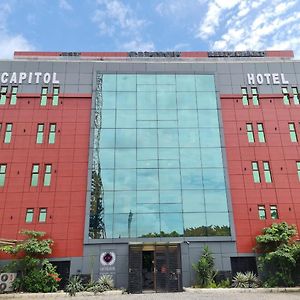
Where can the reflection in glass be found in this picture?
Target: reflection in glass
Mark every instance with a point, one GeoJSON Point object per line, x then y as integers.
{"type": "Point", "coordinates": [148, 225]}
{"type": "Point", "coordinates": [147, 179]}
{"type": "Point", "coordinates": [171, 224]}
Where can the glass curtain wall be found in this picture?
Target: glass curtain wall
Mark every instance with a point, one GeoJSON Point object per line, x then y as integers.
{"type": "Point", "coordinates": [161, 167]}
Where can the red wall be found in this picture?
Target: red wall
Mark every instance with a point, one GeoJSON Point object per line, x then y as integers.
{"type": "Point", "coordinates": [66, 196]}
{"type": "Point", "coordinates": [282, 154]}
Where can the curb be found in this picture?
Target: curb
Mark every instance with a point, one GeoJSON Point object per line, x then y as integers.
{"type": "Point", "coordinates": [60, 294]}
{"type": "Point", "coordinates": [241, 290]}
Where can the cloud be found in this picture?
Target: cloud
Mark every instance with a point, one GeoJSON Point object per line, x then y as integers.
{"type": "Point", "coordinates": [10, 42]}
{"type": "Point", "coordinates": [138, 45]}
{"type": "Point", "coordinates": [113, 16]}
{"type": "Point", "coordinates": [247, 25]}
{"type": "Point", "coordinates": [120, 22]}
{"type": "Point", "coordinates": [65, 5]}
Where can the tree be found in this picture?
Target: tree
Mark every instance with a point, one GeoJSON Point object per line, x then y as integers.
{"type": "Point", "coordinates": [205, 268]}
{"type": "Point", "coordinates": [36, 273]}
{"type": "Point", "coordinates": [279, 254]}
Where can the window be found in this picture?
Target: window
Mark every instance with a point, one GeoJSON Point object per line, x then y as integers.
{"type": "Point", "coordinates": [44, 96]}
{"type": "Point", "coordinates": [8, 132]}
{"type": "Point", "coordinates": [255, 98]}
{"type": "Point", "coordinates": [261, 212]}
{"type": "Point", "coordinates": [35, 175]}
{"type": "Point", "coordinates": [293, 134]}
{"type": "Point", "coordinates": [267, 172]}
{"type": "Point", "coordinates": [3, 92]}
{"type": "Point", "coordinates": [261, 134]}
{"type": "Point", "coordinates": [255, 172]}
{"type": "Point", "coordinates": [250, 133]}
{"type": "Point", "coordinates": [40, 134]}
{"type": "Point", "coordinates": [42, 215]}
{"type": "Point", "coordinates": [298, 169]}
{"type": "Point", "coordinates": [55, 96]}
{"type": "Point", "coordinates": [274, 211]}
{"type": "Point", "coordinates": [295, 95]}
{"type": "Point", "coordinates": [29, 215]}
{"type": "Point", "coordinates": [13, 97]}
{"type": "Point", "coordinates": [286, 96]}
{"type": "Point", "coordinates": [47, 175]}
{"type": "Point", "coordinates": [2, 174]}
{"type": "Point", "coordinates": [245, 96]}
{"type": "Point", "coordinates": [52, 132]}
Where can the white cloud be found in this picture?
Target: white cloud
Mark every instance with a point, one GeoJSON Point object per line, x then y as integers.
{"type": "Point", "coordinates": [138, 45]}
{"type": "Point", "coordinates": [250, 25]}
{"type": "Point", "coordinates": [10, 42]}
{"type": "Point", "coordinates": [65, 5]}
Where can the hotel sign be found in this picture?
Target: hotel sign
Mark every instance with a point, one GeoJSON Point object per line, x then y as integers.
{"type": "Point", "coordinates": [28, 77]}
{"type": "Point", "coordinates": [154, 54]}
{"type": "Point", "coordinates": [236, 54]}
{"type": "Point", "coordinates": [266, 78]}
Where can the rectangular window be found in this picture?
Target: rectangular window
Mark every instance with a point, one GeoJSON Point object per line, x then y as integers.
{"type": "Point", "coordinates": [298, 169]}
{"type": "Point", "coordinates": [255, 98]}
{"type": "Point", "coordinates": [43, 215]}
{"type": "Point", "coordinates": [29, 215]}
{"type": "Point", "coordinates": [261, 212]}
{"type": "Point", "coordinates": [293, 134]}
{"type": "Point", "coordinates": [47, 175]}
{"type": "Point", "coordinates": [274, 212]}
{"type": "Point", "coordinates": [55, 96]}
{"type": "Point", "coordinates": [245, 96]}
{"type": "Point", "coordinates": [40, 134]}
{"type": "Point", "coordinates": [3, 92]}
{"type": "Point", "coordinates": [44, 96]}
{"type": "Point", "coordinates": [286, 96]}
{"type": "Point", "coordinates": [255, 172]}
{"type": "Point", "coordinates": [250, 134]}
{"type": "Point", "coordinates": [52, 131]}
{"type": "Point", "coordinates": [8, 133]}
{"type": "Point", "coordinates": [295, 95]}
{"type": "Point", "coordinates": [261, 134]}
{"type": "Point", "coordinates": [267, 172]}
{"type": "Point", "coordinates": [35, 175]}
{"type": "Point", "coordinates": [2, 174]}
{"type": "Point", "coordinates": [13, 97]}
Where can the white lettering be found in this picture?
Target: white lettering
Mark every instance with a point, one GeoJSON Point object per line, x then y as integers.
{"type": "Point", "coordinates": [283, 80]}
{"type": "Point", "coordinates": [259, 78]}
{"type": "Point", "coordinates": [54, 80]}
{"type": "Point", "coordinates": [22, 77]}
{"type": "Point", "coordinates": [37, 77]}
{"type": "Point", "coordinates": [251, 79]}
{"type": "Point", "coordinates": [13, 78]}
{"type": "Point", "coordinates": [30, 77]}
{"type": "Point", "coordinates": [47, 77]}
{"type": "Point", "coordinates": [275, 78]}
{"type": "Point", "coordinates": [4, 77]}
{"type": "Point", "coordinates": [267, 76]}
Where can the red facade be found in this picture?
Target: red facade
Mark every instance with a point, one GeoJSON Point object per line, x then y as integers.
{"type": "Point", "coordinates": [65, 198]}
{"type": "Point", "coordinates": [281, 153]}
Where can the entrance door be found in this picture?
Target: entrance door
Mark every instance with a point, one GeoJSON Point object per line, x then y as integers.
{"type": "Point", "coordinates": [155, 267]}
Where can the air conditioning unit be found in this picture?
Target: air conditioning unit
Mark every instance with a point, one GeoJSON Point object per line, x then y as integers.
{"type": "Point", "coordinates": [6, 280]}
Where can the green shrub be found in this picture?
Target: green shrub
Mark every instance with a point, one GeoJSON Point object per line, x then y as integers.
{"type": "Point", "coordinates": [104, 283]}
{"type": "Point", "coordinates": [74, 286]}
{"type": "Point", "coordinates": [245, 280]}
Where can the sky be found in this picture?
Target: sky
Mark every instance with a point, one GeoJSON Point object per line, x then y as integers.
{"type": "Point", "coordinates": [148, 25]}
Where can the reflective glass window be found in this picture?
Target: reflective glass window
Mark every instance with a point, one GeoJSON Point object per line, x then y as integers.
{"type": "Point", "coordinates": [126, 138]}
{"type": "Point", "coordinates": [187, 118]}
{"type": "Point", "coordinates": [193, 201]}
{"type": "Point", "coordinates": [170, 207]}
{"type": "Point", "coordinates": [2, 174]}
{"type": "Point", "coordinates": [245, 99]}
{"type": "Point", "coordinates": [8, 133]}
{"type": "Point", "coordinates": [295, 95]}
{"type": "Point", "coordinates": [146, 114]}
{"type": "Point", "coordinates": [211, 157]}
{"type": "Point", "coordinates": [206, 100]}
{"type": "Point", "coordinates": [13, 97]}
{"type": "Point", "coordinates": [148, 225]}
{"type": "Point", "coordinates": [250, 134]}
{"type": "Point", "coordinates": [286, 96]}
{"type": "Point", "coordinates": [205, 83]}
{"type": "Point", "coordinates": [107, 139]}
{"type": "Point", "coordinates": [52, 132]}
{"type": "Point", "coordinates": [293, 134]}
{"type": "Point", "coordinates": [40, 134]}
{"type": "Point", "coordinates": [126, 82]}
{"type": "Point", "coordinates": [169, 179]}
{"type": "Point", "coordinates": [213, 178]}
{"type": "Point", "coordinates": [170, 196]}
{"type": "Point", "coordinates": [167, 114]}
{"type": "Point", "coordinates": [215, 200]}
{"type": "Point", "coordinates": [47, 175]}
{"type": "Point", "coordinates": [194, 224]}
{"type": "Point", "coordinates": [147, 179]}
{"type": "Point", "coordinates": [107, 177]}
{"type": "Point", "coordinates": [109, 100]}
{"type": "Point", "coordinates": [125, 179]}
{"type": "Point", "coordinates": [255, 172]}
{"type": "Point", "coordinates": [298, 169]}
{"type": "Point", "coordinates": [147, 158]}
{"type": "Point", "coordinates": [191, 179]}
{"type": "Point", "coordinates": [146, 100]}
{"type": "Point", "coordinates": [29, 215]}
{"type": "Point", "coordinates": [125, 158]}
{"type": "Point", "coordinates": [3, 92]}
{"type": "Point", "coordinates": [126, 118]}
{"type": "Point", "coordinates": [255, 97]}
{"type": "Point", "coordinates": [147, 196]}
{"type": "Point", "coordinates": [126, 100]}
{"type": "Point", "coordinates": [171, 224]}
{"type": "Point", "coordinates": [125, 202]}
{"type": "Point", "coordinates": [210, 137]}
{"type": "Point", "coordinates": [166, 79]}
{"type": "Point", "coordinates": [218, 224]}
{"type": "Point", "coordinates": [109, 118]}
{"type": "Point", "coordinates": [261, 133]}
{"type": "Point", "coordinates": [146, 208]}
{"type": "Point", "coordinates": [35, 175]}
{"type": "Point", "coordinates": [189, 137]}
{"type": "Point", "coordinates": [274, 212]}
{"type": "Point", "coordinates": [190, 158]}
{"type": "Point", "coordinates": [167, 137]}
{"type": "Point", "coordinates": [146, 79]}
{"type": "Point", "coordinates": [166, 100]}
{"type": "Point", "coordinates": [185, 83]}
{"type": "Point", "coordinates": [208, 118]}
{"type": "Point", "coordinates": [146, 138]}
{"type": "Point", "coordinates": [109, 82]}
{"type": "Point", "coordinates": [124, 225]}
{"type": "Point", "coordinates": [42, 215]}
{"type": "Point", "coordinates": [44, 96]}
{"type": "Point", "coordinates": [108, 202]}
{"type": "Point", "coordinates": [186, 100]}
{"type": "Point", "coordinates": [261, 212]}
{"type": "Point", "coordinates": [55, 96]}
{"type": "Point", "coordinates": [267, 172]}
